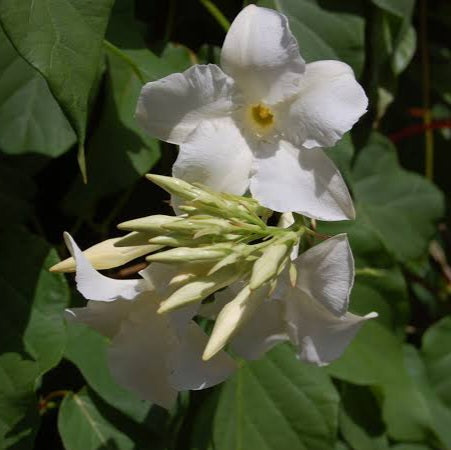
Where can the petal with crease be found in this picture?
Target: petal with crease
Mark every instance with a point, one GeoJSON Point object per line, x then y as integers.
{"type": "Point", "coordinates": [95, 286]}
{"type": "Point", "coordinates": [105, 317]}
{"type": "Point", "coordinates": [189, 371]}
{"type": "Point", "coordinates": [262, 332]}
{"type": "Point", "coordinates": [217, 155]}
{"type": "Point", "coordinates": [320, 336]}
{"type": "Point", "coordinates": [326, 273]}
{"type": "Point", "coordinates": [171, 108]}
{"type": "Point", "coordinates": [329, 103]}
{"type": "Point", "coordinates": [138, 355]}
{"type": "Point", "coordinates": [302, 181]}
{"type": "Point", "coordinates": [262, 55]}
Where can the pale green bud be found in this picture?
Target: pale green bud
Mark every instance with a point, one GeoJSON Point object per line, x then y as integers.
{"type": "Point", "coordinates": [199, 289]}
{"type": "Point", "coordinates": [189, 254]}
{"type": "Point", "coordinates": [293, 274]}
{"type": "Point", "coordinates": [175, 186]}
{"type": "Point", "coordinates": [231, 319]}
{"type": "Point", "coordinates": [150, 224]}
{"type": "Point", "coordinates": [134, 239]}
{"type": "Point", "coordinates": [270, 264]}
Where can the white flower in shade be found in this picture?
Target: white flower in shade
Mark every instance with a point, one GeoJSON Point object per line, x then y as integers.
{"type": "Point", "coordinates": [310, 311]}
{"type": "Point", "coordinates": [155, 355]}
{"type": "Point", "coordinates": [257, 123]}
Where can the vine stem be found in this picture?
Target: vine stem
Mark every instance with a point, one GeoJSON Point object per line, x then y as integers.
{"type": "Point", "coordinates": [216, 13]}
{"type": "Point", "coordinates": [425, 68]}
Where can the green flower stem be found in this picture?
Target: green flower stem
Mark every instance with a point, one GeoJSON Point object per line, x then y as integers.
{"type": "Point", "coordinates": [217, 14]}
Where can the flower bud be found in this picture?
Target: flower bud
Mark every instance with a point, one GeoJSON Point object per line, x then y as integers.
{"type": "Point", "coordinates": [105, 255]}
{"type": "Point", "coordinates": [150, 224]}
{"type": "Point", "coordinates": [189, 254]}
{"type": "Point", "coordinates": [231, 318]}
{"type": "Point", "coordinates": [199, 289]}
{"type": "Point", "coordinates": [267, 266]}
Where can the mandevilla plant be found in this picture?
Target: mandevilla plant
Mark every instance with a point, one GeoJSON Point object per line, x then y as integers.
{"type": "Point", "coordinates": [221, 241]}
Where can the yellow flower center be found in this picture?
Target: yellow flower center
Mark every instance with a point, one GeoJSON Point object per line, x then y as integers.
{"type": "Point", "coordinates": [262, 115]}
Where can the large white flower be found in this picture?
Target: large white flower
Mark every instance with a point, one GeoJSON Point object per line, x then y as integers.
{"type": "Point", "coordinates": [312, 313]}
{"type": "Point", "coordinates": [254, 123]}
{"type": "Point", "coordinates": [155, 355]}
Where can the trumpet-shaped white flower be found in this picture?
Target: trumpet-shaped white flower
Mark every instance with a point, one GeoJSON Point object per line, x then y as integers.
{"type": "Point", "coordinates": [311, 311]}
{"type": "Point", "coordinates": [254, 123]}
{"type": "Point", "coordinates": [155, 355]}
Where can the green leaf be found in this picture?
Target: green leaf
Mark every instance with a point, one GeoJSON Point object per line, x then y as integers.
{"type": "Point", "coordinates": [70, 35]}
{"type": "Point", "coordinates": [375, 358]}
{"type": "Point", "coordinates": [119, 152]}
{"type": "Point", "coordinates": [401, 207]}
{"type": "Point", "coordinates": [33, 299]}
{"type": "Point", "coordinates": [436, 351]}
{"type": "Point", "coordinates": [323, 34]}
{"type": "Point", "coordinates": [16, 192]}
{"type": "Point", "coordinates": [31, 119]}
{"type": "Point", "coordinates": [401, 8]}
{"type": "Point", "coordinates": [19, 417]}
{"type": "Point", "coordinates": [439, 413]}
{"type": "Point", "coordinates": [360, 419]}
{"type": "Point", "coordinates": [275, 403]}
{"type": "Point", "coordinates": [83, 427]}
{"type": "Point", "coordinates": [94, 367]}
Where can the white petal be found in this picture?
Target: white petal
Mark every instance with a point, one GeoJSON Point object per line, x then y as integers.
{"type": "Point", "coordinates": [171, 108]}
{"type": "Point", "coordinates": [189, 371]}
{"type": "Point", "coordinates": [326, 273]}
{"type": "Point", "coordinates": [262, 332]}
{"type": "Point", "coordinates": [262, 55]}
{"type": "Point", "coordinates": [320, 336]}
{"type": "Point", "coordinates": [217, 155]}
{"type": "Point", "coordinates": [95, 286]}
{"type": "Point", "coordinates": [301, 180]}
{"type": "Point", "coordinates": [138, 355]}
{"type": "Point", "coordinates": [330, 102]}
{"type": "Point", "coordinates": [105, 317]}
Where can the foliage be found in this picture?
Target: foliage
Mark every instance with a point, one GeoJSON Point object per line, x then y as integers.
{"type": "Point", "coordinates": [71, 72]}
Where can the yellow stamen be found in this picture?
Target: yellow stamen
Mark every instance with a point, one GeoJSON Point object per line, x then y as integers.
{"type": "Point", "coordinates": [262, 115]}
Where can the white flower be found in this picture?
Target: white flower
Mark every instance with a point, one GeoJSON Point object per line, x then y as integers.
{"type": "Point", "coordinates": [253, 123]}
{"type": "Point", "coordinates": [312, 313]}
{"type": "Point", "coordinates": [155, 355]}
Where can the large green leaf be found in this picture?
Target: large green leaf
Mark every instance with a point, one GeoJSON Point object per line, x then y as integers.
{"type": "Point", "coordinates": [93, 365]}
{"type": "Point", "coordinates": [274, 403]}
{"type": "Point", "coordinates": [119, 152]}
{"type": "Point", "coordinates": [19, 417]}
{"type": "Point", "coordinates": [375, 358]}
{"type": "Point", "coordinates": [360, 419]}
{"type": "Point", "coordinates": [436, 351]}
{"type": "Point", "coordinates": [324, 34]}
{"type": "Point", "coordinates": [16, 193]}
{"type": "Point", "coordinates": [440, 414]}
{"type": "Point", "coordinates": [62, 39]}
{"type": "Point", "coordinates": [33, 299]}
{"type": "Point", "coordinates": [400, 206]}
{"type": "Point", "coordinates": [83, 427]}
{"type": "Point", "coordinates": [31, 119]}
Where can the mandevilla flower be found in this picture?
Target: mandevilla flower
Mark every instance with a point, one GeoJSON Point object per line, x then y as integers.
{"type": "Point", "coordinates": [257, 123]}
{"type": "Point", "coordinates": [155, 355]}
{"type": "Point", "coordinates": [309, 309]}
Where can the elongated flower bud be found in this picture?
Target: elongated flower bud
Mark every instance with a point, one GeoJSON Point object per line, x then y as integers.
{"type": "Point", "coordinates": [189, 254]}
{"type": "Point", "coordinates": [149, 224]}
{"type": "Point", "coordinates": [105, 255]}
{"type": "Point", "coordinates": [231, 318]}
